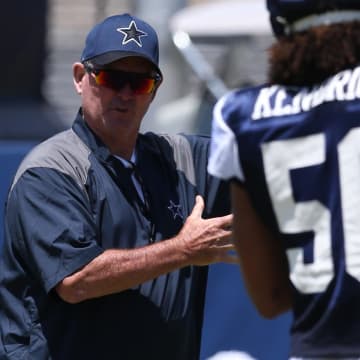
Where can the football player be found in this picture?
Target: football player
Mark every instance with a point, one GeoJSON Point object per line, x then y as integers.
{"type": "Point", "coordinates": [292, 150]}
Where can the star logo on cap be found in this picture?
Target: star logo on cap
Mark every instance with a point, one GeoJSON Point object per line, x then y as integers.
{"type": "Point", "coordinates": [132, 33]}
{"type": "Point", "coordinates": [175, 210]}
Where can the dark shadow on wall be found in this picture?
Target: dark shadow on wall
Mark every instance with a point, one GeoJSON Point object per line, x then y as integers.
{"type": "Point", "coordinates": [24, 114]}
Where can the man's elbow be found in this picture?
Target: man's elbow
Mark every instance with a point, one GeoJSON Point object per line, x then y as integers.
{"type": "Point", "coordinates": [271, 312]}
{"type": "Point", "coordinates": [273, 306]}
{"type": "Point", "coordinates": [70, 292]}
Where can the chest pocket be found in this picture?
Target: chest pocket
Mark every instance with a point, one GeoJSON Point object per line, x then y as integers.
{"type": "Point", "coordinates": [120, 223]}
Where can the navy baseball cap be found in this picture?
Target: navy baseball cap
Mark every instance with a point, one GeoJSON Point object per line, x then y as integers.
{"type": "Point", "coordinates": [121, 36]}
{"type": "Point", "coordinates": [284, 13]}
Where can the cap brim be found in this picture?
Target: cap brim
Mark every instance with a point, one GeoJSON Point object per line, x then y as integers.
{"type": "Point", "coordinates": [109, 57]}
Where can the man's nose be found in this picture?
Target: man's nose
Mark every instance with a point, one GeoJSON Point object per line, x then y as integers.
{"type": "Point", "coordinates": [125, 91]}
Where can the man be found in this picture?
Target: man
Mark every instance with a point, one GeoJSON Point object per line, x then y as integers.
{"type": "Point", "coordinates": [291, 148]}
{"type": "Point", "coordinates": [104, 247]}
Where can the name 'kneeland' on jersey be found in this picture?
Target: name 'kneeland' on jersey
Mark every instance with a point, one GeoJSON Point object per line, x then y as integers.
{"type": "Point", "coordinates": [275, 100]}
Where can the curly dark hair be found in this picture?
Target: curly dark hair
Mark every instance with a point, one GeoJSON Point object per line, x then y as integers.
{"type": "Point", "coordinates": [309, 57]}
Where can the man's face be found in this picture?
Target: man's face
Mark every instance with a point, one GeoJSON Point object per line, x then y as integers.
{"type": "Point", "coordinates": [113, 114]}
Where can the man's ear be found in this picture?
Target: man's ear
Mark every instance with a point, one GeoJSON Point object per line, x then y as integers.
{"type": "Point", "coordinates": [78, 75]}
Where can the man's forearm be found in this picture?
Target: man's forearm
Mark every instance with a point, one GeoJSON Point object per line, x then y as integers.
{"type": "Point", "coordinates": [116, 270]}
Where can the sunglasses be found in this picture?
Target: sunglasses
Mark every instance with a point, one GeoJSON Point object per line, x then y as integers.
{"type": "Point", "coordinates": [139, 83]}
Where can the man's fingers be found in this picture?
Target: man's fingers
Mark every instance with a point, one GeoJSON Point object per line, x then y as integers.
{"type": "Point", "coordinates": [226, 221]}
{"type": "Point", "coordinates": [225, 247]}
{"type": "Point", "coordinates": [225, 238]}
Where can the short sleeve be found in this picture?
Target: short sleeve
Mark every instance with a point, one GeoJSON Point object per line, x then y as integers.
{"type": "Point", "coordinates": [224, 161]}
{"type": "Point", "coordinates": [49, 222]}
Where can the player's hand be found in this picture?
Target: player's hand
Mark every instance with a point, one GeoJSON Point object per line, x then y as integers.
{"type": "Point", "coordinates": [207, 241]}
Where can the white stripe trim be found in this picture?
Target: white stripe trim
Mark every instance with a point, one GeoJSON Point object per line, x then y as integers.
{"type": "Point", "coordinates": [224, 161]}
{"type": "Point", "coordinates": [328, 18]}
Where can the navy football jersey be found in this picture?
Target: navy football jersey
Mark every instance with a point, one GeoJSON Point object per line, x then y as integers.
{"type": "Point", "coordinates": [297, 152]}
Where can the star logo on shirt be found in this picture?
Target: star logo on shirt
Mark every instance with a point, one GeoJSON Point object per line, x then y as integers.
{"type": "Point", "coordinates": [132, 33]}
{"type": "Point", "coordinates": [175, 210]}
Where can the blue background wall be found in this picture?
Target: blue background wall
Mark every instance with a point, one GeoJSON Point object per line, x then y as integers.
{"type": "Point", "coordinates": [231, 321]}
{"type": "Point", "coordinates": [11, 153]}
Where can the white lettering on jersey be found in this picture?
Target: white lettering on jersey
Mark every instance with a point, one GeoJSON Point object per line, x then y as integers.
{"type": "Point", "coordinates": [274, 100]}
{"type": "Point", "coordinates": [280, 157]}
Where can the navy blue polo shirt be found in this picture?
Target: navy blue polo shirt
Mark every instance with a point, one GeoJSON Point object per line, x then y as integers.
{"type": "Point", "coordinates": [65, 207]}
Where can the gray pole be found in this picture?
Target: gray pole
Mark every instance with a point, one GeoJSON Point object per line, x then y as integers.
{"type": "Point", "coordinates": [158, 13]}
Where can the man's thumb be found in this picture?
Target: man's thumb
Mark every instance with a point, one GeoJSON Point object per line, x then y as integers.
{"type": "Point", "coordinates": [199, 206]}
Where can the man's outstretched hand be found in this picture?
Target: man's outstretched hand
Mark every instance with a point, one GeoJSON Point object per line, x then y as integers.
{"type": "Point", "coordinates": [207, 241]}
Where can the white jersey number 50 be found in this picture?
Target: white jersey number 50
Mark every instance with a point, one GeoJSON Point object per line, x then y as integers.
{"type": "Point", "coordinates": [284, 155]}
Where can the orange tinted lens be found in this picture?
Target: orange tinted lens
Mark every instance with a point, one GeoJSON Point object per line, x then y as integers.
{"type": "Point", "coordinates": [116, 80]}
{"type": "Point", "coordinates": [142, 85]}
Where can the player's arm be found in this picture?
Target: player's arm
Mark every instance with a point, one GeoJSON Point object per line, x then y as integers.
{"type": "Point", "coordinates": [200, 242]}
{"type": "Point", "coordinates": [262, 257]}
